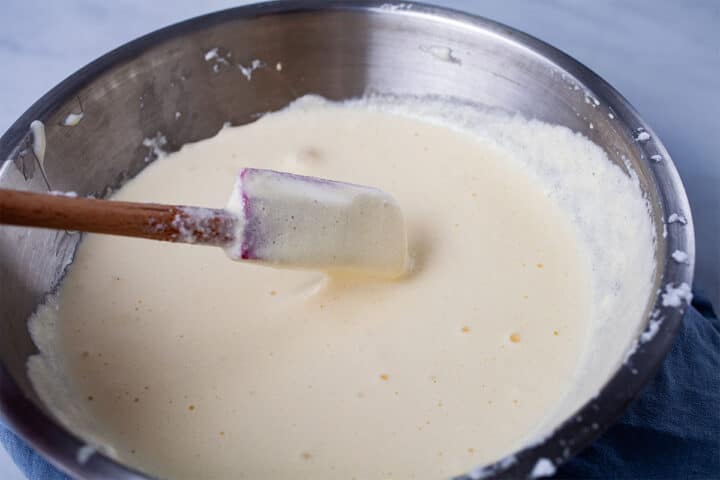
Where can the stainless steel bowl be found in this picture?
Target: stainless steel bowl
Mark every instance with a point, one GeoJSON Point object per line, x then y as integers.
{"type": "Point", "coordinates": [337, 49]}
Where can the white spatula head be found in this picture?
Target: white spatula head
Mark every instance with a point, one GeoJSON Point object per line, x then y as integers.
{"type": "Point", "coordinates": [306, 222]}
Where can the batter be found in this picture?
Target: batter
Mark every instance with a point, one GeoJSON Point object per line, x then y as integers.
{"type": "Point", "coordinates": [179, 362]}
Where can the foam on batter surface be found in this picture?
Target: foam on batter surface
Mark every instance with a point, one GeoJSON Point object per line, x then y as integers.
{"type": "Point", "coordinates": [530, 252]}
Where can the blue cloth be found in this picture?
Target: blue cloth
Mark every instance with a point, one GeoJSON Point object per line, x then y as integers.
{"type": "Point", "coordinates": [671, 432]}
{"type": "Point", "coordinates": [29, 462]}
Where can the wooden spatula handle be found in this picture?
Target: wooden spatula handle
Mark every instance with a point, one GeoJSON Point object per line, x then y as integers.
{"type": "Point", "coordinates": [171, 223]}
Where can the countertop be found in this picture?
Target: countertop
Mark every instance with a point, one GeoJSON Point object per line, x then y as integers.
{"type": "Point", "coordinates": [663, 56]}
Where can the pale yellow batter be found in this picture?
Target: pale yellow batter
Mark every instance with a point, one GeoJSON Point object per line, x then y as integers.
{"type": "Point", "coordinates": [188, 365]}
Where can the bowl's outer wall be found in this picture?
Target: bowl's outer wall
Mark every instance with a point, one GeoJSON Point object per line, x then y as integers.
{"type": "Point", "coordinates": [135, 92]}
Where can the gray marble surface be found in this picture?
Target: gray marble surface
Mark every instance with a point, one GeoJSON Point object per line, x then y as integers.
{"type": "Point", "coordinates": [664, 56]}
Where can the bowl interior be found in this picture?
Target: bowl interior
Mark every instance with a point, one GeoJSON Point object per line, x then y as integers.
{"type": "Point", "coordinates": [167, 86]}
